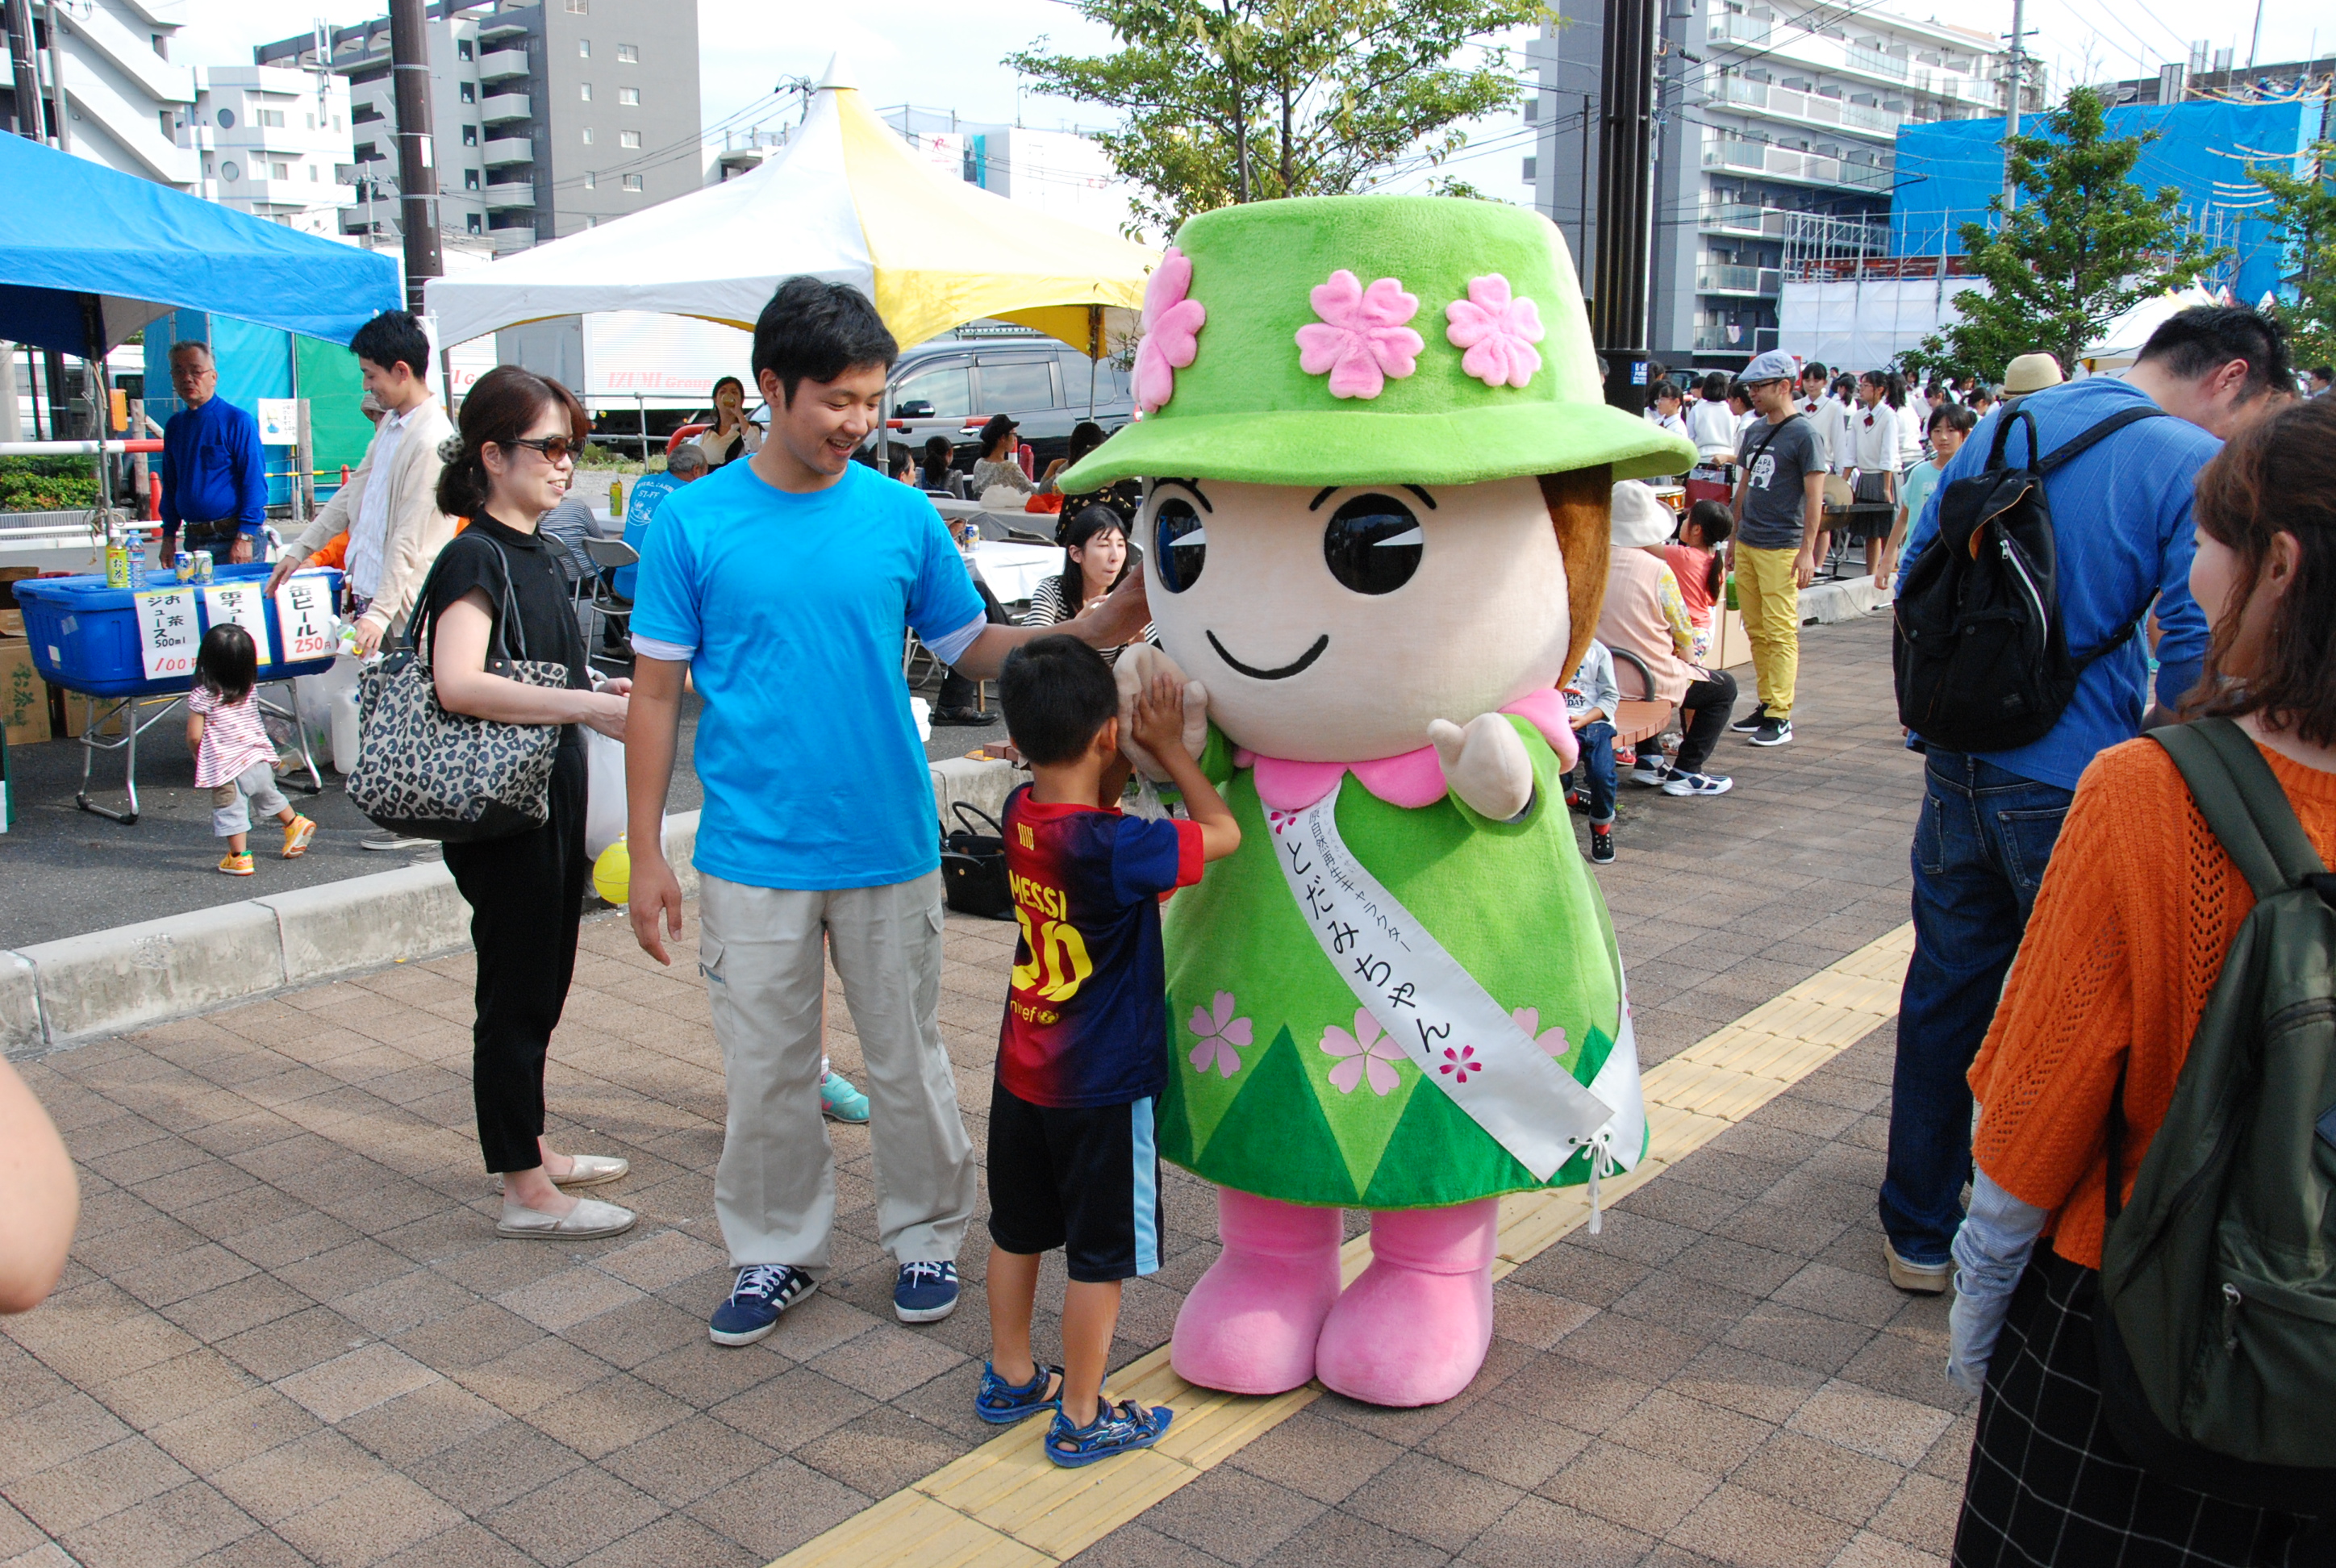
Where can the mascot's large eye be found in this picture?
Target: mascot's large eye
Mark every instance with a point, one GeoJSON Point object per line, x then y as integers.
{"type": "Point", "coordinates": [1373, 544]}
{"type": "Point", "coordinates": [1183, 545]}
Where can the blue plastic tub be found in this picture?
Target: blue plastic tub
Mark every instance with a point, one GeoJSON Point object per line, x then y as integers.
{"type": "Point", "coordinates": [84, 634]}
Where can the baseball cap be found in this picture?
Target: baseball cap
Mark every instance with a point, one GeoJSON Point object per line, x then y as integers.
{"type": "Point", "coordinates": [1776, 364]}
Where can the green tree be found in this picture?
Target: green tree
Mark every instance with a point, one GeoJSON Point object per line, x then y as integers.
{"type": "Point", "coordinates": [2303, 218]}
{"type": "Point", "coordinates": [1230, 100]}
{"type": "Point", "coordinates": [2083, 247]}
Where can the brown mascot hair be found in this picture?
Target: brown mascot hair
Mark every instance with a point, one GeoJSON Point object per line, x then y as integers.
{"type": "Point", "coordinates": [1581, 503]}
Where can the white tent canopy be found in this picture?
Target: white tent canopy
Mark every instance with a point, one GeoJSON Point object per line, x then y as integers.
{"type": "Point", "coordinates": [845, 200]}
{"type": "Point", "coordinates": [2120, 341]}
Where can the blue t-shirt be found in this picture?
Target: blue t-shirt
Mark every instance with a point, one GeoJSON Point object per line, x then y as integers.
{"type": "Point", "coordinates": [2122, 530]}
{"type": "Point", "coordinates": [648, 493]}
{"type": "Point", "coordinates": [1086, 1016]}
{"type": "Point", "coordinates": [794, 607]}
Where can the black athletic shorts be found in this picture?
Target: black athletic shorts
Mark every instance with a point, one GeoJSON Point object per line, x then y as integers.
{"type": "Point", "coordinates": [1084, 1179]}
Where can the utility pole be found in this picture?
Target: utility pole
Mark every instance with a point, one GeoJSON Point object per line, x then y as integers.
{"type": "Point", "coordinates": [27, 70]}
{"type": "Point", "coordinates": [2255, 44]}
{"type": "Point", "coordinates": [1626, 179]}
{"type": "Point", "coordinates": [409, 63]}
{"type": "Point", "coordinates": [2015, 78]}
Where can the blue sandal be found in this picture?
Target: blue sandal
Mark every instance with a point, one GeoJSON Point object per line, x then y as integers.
{"type": "Point", "coordinates": [1002, 1404]}
{"type": "Point", "coordinates": [1120, 1428]}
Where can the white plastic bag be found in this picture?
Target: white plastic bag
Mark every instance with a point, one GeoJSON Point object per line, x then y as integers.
{"type": "Point", "coordinates": [604, 800]}
{"type": "Point", "coordinates": [312, 700]}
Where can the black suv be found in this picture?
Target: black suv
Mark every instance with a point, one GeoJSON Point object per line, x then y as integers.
{"type": "Point", "coordinates": [951, 388]}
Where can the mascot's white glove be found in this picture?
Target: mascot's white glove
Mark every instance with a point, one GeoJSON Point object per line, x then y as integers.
{"type": "Point", "coordinates": [1484, 763]}
{"type": "Point", "coordinates": [1138, 665]}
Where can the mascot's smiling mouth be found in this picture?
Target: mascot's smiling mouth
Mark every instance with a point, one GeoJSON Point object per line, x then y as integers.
{"type": "Point", "coordinates": [1297, 667]}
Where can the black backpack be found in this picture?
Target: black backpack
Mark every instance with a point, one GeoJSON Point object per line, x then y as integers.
{"type": "Point", "coordinates": [1981, 660]}
{"type": "Point", "coordinates": [2216, 1325]}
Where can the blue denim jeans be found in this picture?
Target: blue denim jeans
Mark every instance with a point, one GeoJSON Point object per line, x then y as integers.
{"type": "Point", "coordinates": [1981, 846]}
{"type": "Point", "coordinates": [1596, 768]}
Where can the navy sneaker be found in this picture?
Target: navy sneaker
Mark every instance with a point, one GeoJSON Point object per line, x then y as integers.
{"type": "Point", "coordinates": [764, 1290]}
{"type": "Point", "coordinates": [925, 1292]}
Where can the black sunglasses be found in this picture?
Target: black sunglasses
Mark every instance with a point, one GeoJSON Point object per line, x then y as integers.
{"type": "Point", "coordinates": [555, 448]}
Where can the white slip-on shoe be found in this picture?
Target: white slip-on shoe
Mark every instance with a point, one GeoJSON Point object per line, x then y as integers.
{"type": "Point", "coordinates": [588, 1221]}
{"type": "Point", "coordinates": [595, 1170]}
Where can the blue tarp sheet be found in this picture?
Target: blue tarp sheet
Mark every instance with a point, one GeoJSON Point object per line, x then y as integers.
{"type": "Point", "coordinates": [77, 238]}
{"type": "Point", "coordinates": [1947, 171]}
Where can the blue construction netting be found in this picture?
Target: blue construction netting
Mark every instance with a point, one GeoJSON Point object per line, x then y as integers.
{"type": "Point", "coordinates": [1946, 171]}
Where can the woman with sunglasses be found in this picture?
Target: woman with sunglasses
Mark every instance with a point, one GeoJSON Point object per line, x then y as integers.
{"type": "Point", "coordinates": [510, 463]}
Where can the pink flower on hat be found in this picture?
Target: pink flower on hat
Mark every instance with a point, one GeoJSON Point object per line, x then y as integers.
{"type": "Point", "coordinates": [1361, 339]}
{"type": "Point", "coordinates": [1499, 333]}
{"type": "Point", "coordinates": [1171, 323]}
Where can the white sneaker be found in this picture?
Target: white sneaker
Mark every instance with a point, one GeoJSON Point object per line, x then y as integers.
{"type": "Point", "coordinates": [1651, 770]}
{"type": "Point", "coordinates": [1697, 784]}
{"type": "Point", "coordinates": [588, 1221]}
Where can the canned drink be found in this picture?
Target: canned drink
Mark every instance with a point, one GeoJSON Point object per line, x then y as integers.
{"type": "Point", "coordinates": [202, 566]}
{"type": "Point", "coordinates": [184, 564]}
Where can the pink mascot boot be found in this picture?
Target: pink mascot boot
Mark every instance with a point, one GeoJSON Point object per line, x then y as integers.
{"type": "Point", "coordinates": [1249, 1326]}
{"type": "Point", "coordinates": [1415, 1326]}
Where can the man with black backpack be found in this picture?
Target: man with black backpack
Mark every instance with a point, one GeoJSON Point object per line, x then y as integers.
{"type": "Point", "coordinates": [2059, 525]}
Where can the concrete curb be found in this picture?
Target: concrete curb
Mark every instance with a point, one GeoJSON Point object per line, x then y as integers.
{"type": "Point", "coordinates": [61, 993]}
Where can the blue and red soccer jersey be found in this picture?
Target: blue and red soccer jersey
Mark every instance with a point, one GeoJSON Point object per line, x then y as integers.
{"type": "Point", "coordinates": [1086, 1017]}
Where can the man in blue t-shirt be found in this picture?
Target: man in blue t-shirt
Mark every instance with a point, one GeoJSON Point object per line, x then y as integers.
{"type": "Point", "coordinates": [2122, 530]}
{"type": "Point", "coordinates": [781, 584]}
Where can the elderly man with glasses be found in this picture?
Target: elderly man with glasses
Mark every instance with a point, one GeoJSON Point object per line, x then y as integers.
{"type": "Point", "coordinates": [214, 477]}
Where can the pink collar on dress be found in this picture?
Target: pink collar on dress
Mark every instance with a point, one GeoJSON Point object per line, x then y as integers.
{"type": "Point", "coordinates": [1412, 779]}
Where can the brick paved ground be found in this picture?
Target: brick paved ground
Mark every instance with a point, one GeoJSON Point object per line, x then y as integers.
{"type": "Point", "coordinates": [288, 1334]}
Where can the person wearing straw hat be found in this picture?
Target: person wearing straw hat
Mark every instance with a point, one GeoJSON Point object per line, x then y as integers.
{"type": "Point", "coordinates": [2031, 373]}
{"type": "Point", "coordinates": [1375, 538]}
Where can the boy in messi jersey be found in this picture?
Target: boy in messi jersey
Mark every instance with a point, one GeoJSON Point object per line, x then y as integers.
{"type": "Point", "coordinates": [1082, 1051]}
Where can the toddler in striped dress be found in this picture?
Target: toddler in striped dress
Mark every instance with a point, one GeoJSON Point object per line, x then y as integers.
{"type": "Point", "coordinates": [234, 758]}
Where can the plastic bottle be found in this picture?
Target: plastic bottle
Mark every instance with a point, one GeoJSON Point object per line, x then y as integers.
{"type": "Point", "coordinates": [616, 497]}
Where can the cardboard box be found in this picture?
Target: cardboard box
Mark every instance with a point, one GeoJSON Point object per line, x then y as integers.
{"type": "Point", "coordinates": [12, 623]}
{"type": "Point", "coordinates": [1730, 646]}
{"type": "Point", "coordinates": [24, 695]}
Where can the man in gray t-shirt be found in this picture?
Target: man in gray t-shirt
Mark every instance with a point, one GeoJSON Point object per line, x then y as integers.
{"type": "Point", "coordinates": [1779, 506]}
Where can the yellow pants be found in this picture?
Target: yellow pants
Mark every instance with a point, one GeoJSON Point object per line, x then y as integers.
{"type": "Point", "coordinates": [1770, 604]}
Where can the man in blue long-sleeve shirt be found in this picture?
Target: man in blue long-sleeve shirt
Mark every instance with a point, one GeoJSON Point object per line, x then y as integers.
{"type": "Point", "coordinates": [2122, 529]}
{"type": "Point", "coordinates": [214, 474]}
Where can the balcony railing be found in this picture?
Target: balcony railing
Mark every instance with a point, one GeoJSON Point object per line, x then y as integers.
{"type": "Point", "coordinates": [1813, 107]}
{"type": "Point", "coordinates": [1735, 29]}
{"type": "Point", "coordinates": [1873, 61]}
{"type": "Point", "coordinates": [501, 107]}
{"type": "Point", "coordinates": [1743, 218]}
{"type": "Point", "coordinates": [508, 149]}
{"type": "Point", "coordinates": [1725, 339]}
{"type": "Point", "coordinates": [1785, 163]}
{"type": "Point", "coordinates": [1761, 280]}
{"type": "Point", "coordinates": [501, 65]}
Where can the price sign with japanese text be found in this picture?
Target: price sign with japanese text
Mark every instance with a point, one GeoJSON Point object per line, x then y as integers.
{"type": "Point", "coordinates": [304, 613]}
{"type": "Point", "coordinates": [167, 632]}
{"type": "Point", "coordinates": [244, 604]}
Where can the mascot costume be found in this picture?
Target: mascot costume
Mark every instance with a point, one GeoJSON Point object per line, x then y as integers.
{"type": "Point", "coordinates": [1377, 471]}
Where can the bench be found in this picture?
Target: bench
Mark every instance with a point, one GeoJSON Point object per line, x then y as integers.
{"type": "Point", "coordinates": [1643, 717]}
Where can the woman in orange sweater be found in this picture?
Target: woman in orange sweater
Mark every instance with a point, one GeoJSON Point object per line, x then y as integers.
{"type": "Point", "coordinates": [2131, 926]}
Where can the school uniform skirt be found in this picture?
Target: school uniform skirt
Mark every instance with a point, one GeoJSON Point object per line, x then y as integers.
{"type": "Point", "coordinates": [2049, 1485]}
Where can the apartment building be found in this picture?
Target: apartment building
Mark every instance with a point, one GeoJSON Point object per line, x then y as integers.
{"type": "Point", "coordinates": [547, 118]}
{"type": "Point", "coordinates": [1762, 114]}
{"type": "Point", "coordinates": [272, 141]}
{"type": "Point", "coordinates": [123, 96]}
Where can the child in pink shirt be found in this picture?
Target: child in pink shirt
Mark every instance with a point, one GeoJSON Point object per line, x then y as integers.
{"type": "Point", "coordinates": [234, 758]}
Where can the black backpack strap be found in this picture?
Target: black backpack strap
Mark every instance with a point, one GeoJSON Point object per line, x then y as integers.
{"type": "Point", "coordinates": [2076, 445]}
{"type": "Point", "coordinates": [2243, 803]}
{"type": "Point", "coordinates": [2004, 433]}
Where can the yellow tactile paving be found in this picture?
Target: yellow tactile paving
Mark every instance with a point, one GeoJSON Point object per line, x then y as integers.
{"type": "Point", "coordinates": [1004, 1506]}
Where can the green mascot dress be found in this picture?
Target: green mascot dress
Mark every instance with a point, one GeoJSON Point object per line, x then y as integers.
{"type": "Point", "coordinates": [1374, 539]}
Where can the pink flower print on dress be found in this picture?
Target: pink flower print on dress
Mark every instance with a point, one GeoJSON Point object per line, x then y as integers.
{"type": "Point", "coordinates": [1550, 1040]}
{"type": "Point", "coordinates": [1170, 324]}
{"type": "Point", "coordinates": [1361, 339]}
{"type": "Point", "coordinates": [1368, 1050]}
{"type": "Point", "coordinates": [1498, 332]}
{"type": "Point", "coordinates": [1220, 1033]}
{"type": "Point", "coordinates": [1458, 1064]}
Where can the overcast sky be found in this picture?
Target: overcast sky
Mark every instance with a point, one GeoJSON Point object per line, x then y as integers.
{"type": "Point", "coordinates": [944, 54]}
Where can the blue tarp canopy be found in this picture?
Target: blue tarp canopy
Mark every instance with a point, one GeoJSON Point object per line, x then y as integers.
{"type": "Point", "coordinates": [86, 252]}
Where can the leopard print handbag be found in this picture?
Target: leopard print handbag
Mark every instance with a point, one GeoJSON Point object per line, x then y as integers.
{"type": "Point", "coordinates": [425, 772]}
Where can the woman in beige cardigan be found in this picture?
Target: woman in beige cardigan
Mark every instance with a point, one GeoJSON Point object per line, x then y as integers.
{"type": "Point", "coordinates": [390, 504]}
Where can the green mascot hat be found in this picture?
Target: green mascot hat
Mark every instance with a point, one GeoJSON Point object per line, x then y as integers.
{"type": "Point", "coordinates": [1370, 340]}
